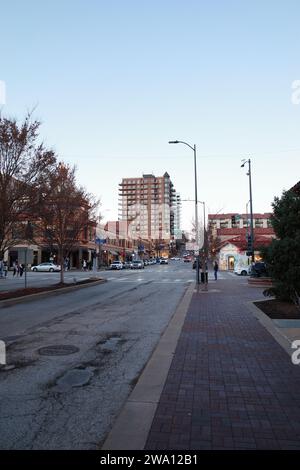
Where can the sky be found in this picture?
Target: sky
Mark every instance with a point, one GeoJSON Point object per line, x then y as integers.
{"type": "Point", "coordinates": [114, 81]}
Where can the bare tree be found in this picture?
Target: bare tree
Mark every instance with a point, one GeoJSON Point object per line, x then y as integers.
{"type": "Point", "coordinates": [24, 165]}
{"type": "Point", "coordinates": [66, 210]}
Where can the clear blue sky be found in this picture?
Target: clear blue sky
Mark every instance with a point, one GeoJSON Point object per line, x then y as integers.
{"type": "Point", "coordinates": [113, 81]}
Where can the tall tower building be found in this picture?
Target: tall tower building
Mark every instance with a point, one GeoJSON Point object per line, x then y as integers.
{"type": "Point", "coordinates": [177, 216]}
{"type": "Point", "coordinates": [147, 204]}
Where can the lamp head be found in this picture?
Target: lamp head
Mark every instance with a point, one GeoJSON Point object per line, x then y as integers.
{"type": "Point", "coordinates": [173, 141]}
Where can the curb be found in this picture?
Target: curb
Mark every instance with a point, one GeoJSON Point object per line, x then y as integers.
{"type": "Point", "coordinates": [259, 282]}
{"type": "Point", "coordinates": [269, 325]}
{"type": "Point", "coordinates": [131, 428]}
{"type": "Point", "coordinates": [40, 295]}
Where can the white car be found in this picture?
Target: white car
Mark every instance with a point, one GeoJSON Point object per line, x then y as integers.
{"type": "Point", "coordinates": [46, 267]}
{"type": "Point", "coordinates": [242, 270]}
{"type": "Point", "coordinates": [116, 265]}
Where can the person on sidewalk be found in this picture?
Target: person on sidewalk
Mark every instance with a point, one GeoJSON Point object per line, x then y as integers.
{"type": "Point", "coordinates": [216, 269]}
{"type": "Point", "coordinates": [16, 268]}
{"type": "Point", "coordinates": [21, 269]}
{"type": "Point", "coordinates": [5, 268]}
{"type": "Point", "coordinates": [1, 268]}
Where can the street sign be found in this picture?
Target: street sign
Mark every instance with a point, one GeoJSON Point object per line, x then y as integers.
{"type": "Point", "coordinates": [100, 241]}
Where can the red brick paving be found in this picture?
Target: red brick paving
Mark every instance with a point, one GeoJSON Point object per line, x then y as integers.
{"type": "Point", "coordinates": [230, 385]}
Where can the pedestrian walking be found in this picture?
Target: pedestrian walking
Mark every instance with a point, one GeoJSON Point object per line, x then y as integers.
{"type": "Point", "coordinates": [1, 268]}
{"type": "Point", "coordinates": [5, 268]}
{"type": "Point", "coordinates": [84, 265]}
{"type": "Point", "coordinates": [216, 269]}
{"type": "Point", "coordinates": [16, 268]}
{"type": "Point", "coordinates": [21, 269]}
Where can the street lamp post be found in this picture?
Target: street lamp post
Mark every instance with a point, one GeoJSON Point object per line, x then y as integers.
{"type": "Point", "coordinates": [204, 250]}
{"type": "Point", "coordinates": [196, 202]}
{"type": "Point", "coordinates": [251, 207]}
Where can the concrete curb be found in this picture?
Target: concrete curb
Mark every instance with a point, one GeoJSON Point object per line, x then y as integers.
{"type": "Point", "coordinates": [270, 326]}
{"type": "Point", "coordinates": [40, 295]}
{"type": "Point", "coordinates": [131, 429]}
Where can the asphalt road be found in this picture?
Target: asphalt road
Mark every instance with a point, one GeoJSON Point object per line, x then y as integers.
{"type": "Point", "coordinates": [70, 401]}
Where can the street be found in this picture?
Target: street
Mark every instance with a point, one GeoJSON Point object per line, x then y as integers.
{"type": "Point", "coordinates": [67, 397]}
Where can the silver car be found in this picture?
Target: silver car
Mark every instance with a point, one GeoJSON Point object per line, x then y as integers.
{"type": "Point", "coordinates": [46, 267]}
{"type": "Point", "coordinates": [137, 264]}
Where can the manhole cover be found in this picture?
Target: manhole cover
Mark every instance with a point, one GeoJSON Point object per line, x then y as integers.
{"type": "Point", "coordinates": [58, 350]}
{"type": "Point", "coordinates": [75, 378]}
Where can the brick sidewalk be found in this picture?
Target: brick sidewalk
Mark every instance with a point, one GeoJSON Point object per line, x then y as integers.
{"type": "Point", "coordinates": [230, 385]}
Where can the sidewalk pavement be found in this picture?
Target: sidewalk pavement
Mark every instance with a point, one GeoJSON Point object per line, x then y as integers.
{"type": "Point", "coordinates": [230, 385]}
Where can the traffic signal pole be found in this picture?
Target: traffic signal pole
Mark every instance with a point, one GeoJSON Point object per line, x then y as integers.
{"type": "Point", "coordinates": [196, 216]}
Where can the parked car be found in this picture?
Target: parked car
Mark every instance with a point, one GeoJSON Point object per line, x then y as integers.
{"type": "Point", "coordinates": [164, 261]}
{"type": "Point", "coordinates": [242, 270]}
{"type": "Point", "coordinates": [137, 264]}
{"type": "Point", "coordinates": [259, 269]}
{"type": "Point", "coordinates": [116, 265]}
{"type": "Point", "coordinates": [127, 264]}
{"type": "Point", "coordinates": [46, 267]}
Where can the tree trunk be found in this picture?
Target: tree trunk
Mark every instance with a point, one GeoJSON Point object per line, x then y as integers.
{"type": "Point", "coordinates": [61, 260]}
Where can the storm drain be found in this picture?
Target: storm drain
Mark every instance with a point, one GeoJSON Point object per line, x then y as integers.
{"type": "Point", "coordinates": [58, 350]}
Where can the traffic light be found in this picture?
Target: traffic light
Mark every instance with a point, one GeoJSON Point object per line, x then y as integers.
{"type": "Point", "coordinates": [233, 220]}
{"type": "Point", "coordinates": [249, 246]}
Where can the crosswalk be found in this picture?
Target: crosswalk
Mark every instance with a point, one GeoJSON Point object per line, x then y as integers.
{"type": "Point", "coordinates": [163, 276]}
{"type": "Point", "coordinates": [155, 280]}
{"type": "Point", "coordinates": [132, 279]}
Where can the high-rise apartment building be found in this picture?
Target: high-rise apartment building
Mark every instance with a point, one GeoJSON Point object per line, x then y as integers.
{"type": "Point", "coordinates": [147, 204]}
{"type": "Point", "coordinates": [177, 216]}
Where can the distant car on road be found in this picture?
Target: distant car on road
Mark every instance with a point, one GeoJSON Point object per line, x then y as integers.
{"type": "Point", "coordinates": [116, 265]}
{"type": "Point", "coordinates": [127, 264]}
{"type": "Point", "coordinates": [46, 267]}
{"type": "Point", "coordinates": [163, 261]}
{"type": "Point", "coordinates": [137, 264]}
{"type": "Point", "coordinates": [187, 259]}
